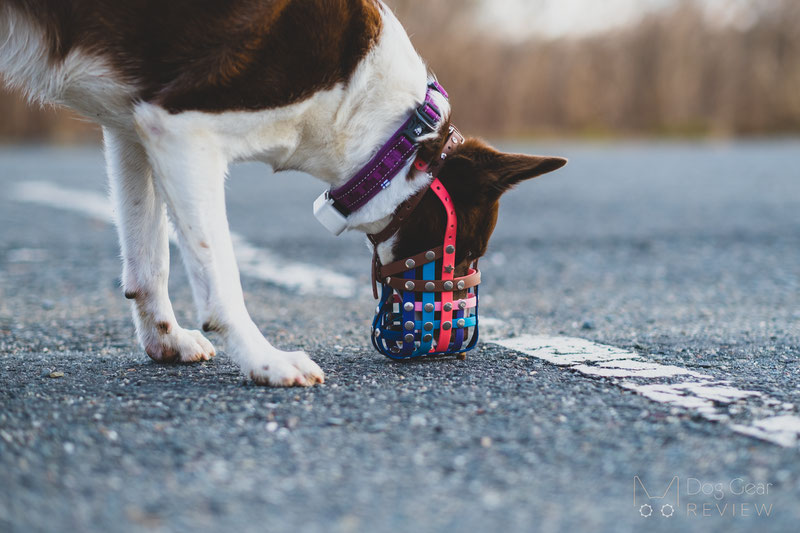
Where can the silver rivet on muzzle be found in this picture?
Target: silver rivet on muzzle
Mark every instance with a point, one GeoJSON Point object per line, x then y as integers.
{"type": "Point", "coordinates": [448, 285]}
{"type": "Point", "coordinates": [430, 286]}
{"type": "Point", "coordinates": [410, 263]}
{"type": "Point", "coordinates": [410, 285]}
{"type": "Point", "coordinates": [429, 308]}
{"type": "Point", "coordinates": [409, 326]}
{"type": "Point", "coordinates": [430, 256]}
{"type": "Point", "coordinates": [408, 306]}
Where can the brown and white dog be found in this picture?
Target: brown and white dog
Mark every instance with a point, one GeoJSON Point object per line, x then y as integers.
{"type": "Point", "coordinates": [183, 88]}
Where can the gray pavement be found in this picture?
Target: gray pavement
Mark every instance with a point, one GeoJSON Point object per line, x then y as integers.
{"type": "Point", "coordinates": [687, 254]}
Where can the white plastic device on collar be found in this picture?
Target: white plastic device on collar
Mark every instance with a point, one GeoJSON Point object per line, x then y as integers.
{"type": "Point", "coordinates": [327, 214]}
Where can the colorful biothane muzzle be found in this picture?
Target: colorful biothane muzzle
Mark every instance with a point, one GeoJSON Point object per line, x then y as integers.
{"type": "Point", "coordinates": [424, 309]}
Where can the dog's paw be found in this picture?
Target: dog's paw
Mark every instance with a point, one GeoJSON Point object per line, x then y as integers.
{"type": "Point", "coordinates": [177, 345]}
{"type": "Point", "coordinates": [287, 369]}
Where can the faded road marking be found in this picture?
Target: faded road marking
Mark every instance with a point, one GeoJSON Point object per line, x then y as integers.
{"type": "Point", "coordinates": [698, 393]}
{"type": "Point", "coordinates": [254, 262]}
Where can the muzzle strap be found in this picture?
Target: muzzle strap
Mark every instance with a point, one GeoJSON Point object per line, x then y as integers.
{"type": "Point", "coordinates": [448, 261]}
{"type": "Point", "coordinates": [398, 267]}
{"type": "Point", "coordinates": [428, 310]}
{"type": "Point", "coordinates": [409, 298]}
{"type": "Point", "coordinates": [472, 279]}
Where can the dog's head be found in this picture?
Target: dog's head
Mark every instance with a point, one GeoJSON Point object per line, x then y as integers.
{"type": "Point", "coordinates": [476, 176]}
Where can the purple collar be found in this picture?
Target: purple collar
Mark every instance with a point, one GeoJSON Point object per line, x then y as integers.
{"type": "Point", "coordinates": [335, 205]}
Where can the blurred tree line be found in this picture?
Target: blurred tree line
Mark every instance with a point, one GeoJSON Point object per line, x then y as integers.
{"type": "Point", "coordinates": [675, 72]}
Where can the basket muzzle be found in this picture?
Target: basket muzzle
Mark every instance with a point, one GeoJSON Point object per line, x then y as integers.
{"type": "Point", "coordinates": [424, 309]}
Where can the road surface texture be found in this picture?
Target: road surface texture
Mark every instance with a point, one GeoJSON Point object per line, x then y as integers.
{"type": "Point", "coordinates": [681, 261]}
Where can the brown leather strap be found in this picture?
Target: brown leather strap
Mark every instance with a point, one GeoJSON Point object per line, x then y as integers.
{"type": "Point", "coordinates": [421, 285]}
{"type": "Point", "coordinates": [454, 140]}
{"type": "Point", "coordinates": [376, 265]}
{"type": "Point", "coordinates": [412, 262]}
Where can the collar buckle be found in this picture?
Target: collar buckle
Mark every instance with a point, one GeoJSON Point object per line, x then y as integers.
{"type": "Point", "coordinates": [424, 121]}
{"type": "Point", "coordinates": [428, 119]}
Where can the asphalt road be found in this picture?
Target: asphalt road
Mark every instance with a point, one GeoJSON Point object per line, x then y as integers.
{"type": "Point", "coordinates": [687, 255]}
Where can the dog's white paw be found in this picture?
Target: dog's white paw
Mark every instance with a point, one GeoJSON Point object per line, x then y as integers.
{"type": "Point", "coordinates": [173, 344]}
{"type": "Point", "coordinates": [286, 369]}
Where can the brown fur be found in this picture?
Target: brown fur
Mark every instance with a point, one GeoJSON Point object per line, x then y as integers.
{"type": "Point", "coordinates": [475, 175]}
{"type": "Point", "coordinates": [213, 325]}
{"type": "Point", "coordinates": [168, 355]}
{"type": "Point", "coordinates": [216, 55]}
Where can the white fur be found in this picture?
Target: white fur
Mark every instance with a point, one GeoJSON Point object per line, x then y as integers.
{"type": "Point", "coordinates": [144, 241]}
{"type": "Point", "coordinates": [180, 160]}
{"type": "Point", "coordinates": [85, 83]}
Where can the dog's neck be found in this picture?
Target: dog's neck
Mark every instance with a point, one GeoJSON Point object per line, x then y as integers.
{"type": "Point", "coordinates": [343, 128]}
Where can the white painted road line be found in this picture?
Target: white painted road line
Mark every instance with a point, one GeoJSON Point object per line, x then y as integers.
{"type": "Point", "coordinates": [86, 203]}
{"type": "Point", "coordinates": [254, 262]}
{"type": "Point", "coordinates": [698, 393]}
{"type": "Point", "coordinates": [781, 430]}
{"type": "Point", "coordinates": [302, 278]}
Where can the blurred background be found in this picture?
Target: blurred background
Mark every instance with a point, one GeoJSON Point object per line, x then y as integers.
{"type": "Point", "coordinates": [577, 68]}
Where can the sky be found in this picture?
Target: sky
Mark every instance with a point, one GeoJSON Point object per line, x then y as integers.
{"type": "Point", "coordinates": [556, 18]}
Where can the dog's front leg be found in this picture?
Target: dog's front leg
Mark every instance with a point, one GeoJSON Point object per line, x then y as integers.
{"type": "Point", "coordinates": [190, 172]}
{"type": "Point", "coordinates": [142, 226]}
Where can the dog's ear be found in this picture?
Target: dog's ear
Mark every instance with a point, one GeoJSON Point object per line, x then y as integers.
{"type": "Point", "coordinates": [478, 168]}
{"type": "Point", "coordinates": [510, 169]}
